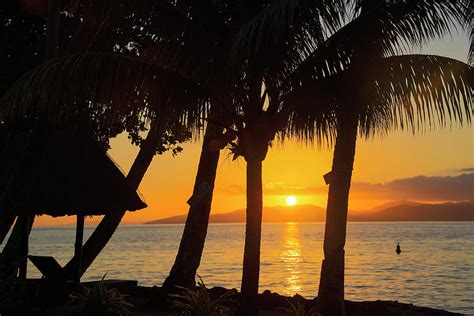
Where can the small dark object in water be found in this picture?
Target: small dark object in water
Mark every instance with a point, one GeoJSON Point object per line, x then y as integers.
{"type": "Point", "coordinates": [398, 250]}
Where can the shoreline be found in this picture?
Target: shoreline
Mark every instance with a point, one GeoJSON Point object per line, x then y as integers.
{"type": "Point", "coordinates": [270, 303]}
{"type": "Point", "coordinates": [146, 224]}
{"type": "Point", "coordinates": [49, 298]}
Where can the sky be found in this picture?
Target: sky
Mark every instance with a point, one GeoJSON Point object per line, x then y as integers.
{"type": "Point", "coordinates": [385, 169]}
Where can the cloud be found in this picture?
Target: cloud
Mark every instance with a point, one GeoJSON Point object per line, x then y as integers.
{"type": "Point", "coordinates": [420, 188]}
{"type": "Point", "coordinates": [465, 170]}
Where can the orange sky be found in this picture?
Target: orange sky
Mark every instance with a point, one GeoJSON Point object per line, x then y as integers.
{"type": "Point", "coordinates": [169, 181]}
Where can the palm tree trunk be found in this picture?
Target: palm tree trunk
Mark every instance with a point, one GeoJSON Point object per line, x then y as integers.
{"type": "Point", "coordinates": [331, 287]}
{"type": "Point", "coordinates": [253, 229]}
{"type": "Point", "coordinates": [106, 228]}
{"type": "Point", "coordinates": [188, 259]}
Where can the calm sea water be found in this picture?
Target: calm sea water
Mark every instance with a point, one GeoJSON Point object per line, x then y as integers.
{"type": "Point", "coordinates": [435, 269]}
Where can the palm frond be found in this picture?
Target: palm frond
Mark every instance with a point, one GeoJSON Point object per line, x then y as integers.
{"type": "Point", "coordinates": [415, 92]}
{"type": "Point", "coordinates": [174, 34]}
{"type": "Point", "coordinates": [311, 109]}
{"type": "Point", "coordinates": [388, 29]}
{"type": "Point", "coordinates": [410, 91]}
{"type": "Point", "coordinates": [109, 86]}
{"type": "Point", "coordinates": [469, 25]}
{"type": "Point", "coordinates": [282, 24]}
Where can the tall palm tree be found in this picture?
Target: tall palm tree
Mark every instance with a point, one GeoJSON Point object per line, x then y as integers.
{"type": "Point", "coordinates": [253, 31]}
{"type": "Point", "coordinates": [402, 91]}
{"type": "Point", "coordinates": [262, 46]}
{"type": "Point", "coordinates": [194, 31]}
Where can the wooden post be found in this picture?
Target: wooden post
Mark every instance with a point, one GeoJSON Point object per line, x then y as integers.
{"type": "Point", "coordinates": [78, 247]}
{"type": "Point", "coordinates": [25, 232]}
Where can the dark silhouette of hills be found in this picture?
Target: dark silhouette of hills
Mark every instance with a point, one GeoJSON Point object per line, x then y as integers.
{"type": "Point", "coordinates": [392, 204]}
{"type": "Point", "coordinates": [455, 211]}
{"type": "Point", "coordinates": [393, 211]}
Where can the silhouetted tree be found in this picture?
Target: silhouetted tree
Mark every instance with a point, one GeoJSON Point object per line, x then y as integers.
{"type": "Point", "coordinates": [374, 94]}
{"type": "Point", "coordinates": [150, 17]}
{"type": "Point", "coordinates": [261, 45]}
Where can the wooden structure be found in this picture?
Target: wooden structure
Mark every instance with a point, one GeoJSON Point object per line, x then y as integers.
{"type": "Point", "coordinates": [46, 171]}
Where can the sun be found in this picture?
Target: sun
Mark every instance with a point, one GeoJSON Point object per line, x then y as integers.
{"type": "Point", "coordinates": [290, 200]}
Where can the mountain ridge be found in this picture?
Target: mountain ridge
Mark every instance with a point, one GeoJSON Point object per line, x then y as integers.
{"type": "Point", "coordinates": [392, 211]}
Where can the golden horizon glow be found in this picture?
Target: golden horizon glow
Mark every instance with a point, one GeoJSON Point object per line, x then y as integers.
{"type": "Point", "coordinates": [290, 200]}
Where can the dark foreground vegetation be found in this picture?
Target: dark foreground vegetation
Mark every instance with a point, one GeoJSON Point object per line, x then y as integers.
{"type": "Point", "coordinates": [41, 297]}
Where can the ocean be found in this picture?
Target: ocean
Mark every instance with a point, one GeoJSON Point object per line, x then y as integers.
{"type": "Point", "coordinates": [435, 268]}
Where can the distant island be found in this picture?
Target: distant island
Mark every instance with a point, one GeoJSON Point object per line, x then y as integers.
{"type": "Point", "coordinates": [393, 211]}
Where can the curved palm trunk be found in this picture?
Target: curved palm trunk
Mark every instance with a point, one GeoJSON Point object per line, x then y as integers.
{"type": "Point", "coordinates": [187, 261]}
{"type": "Point", "coordinates": [253, 229]}
{"type": "Point", "coordinates": [331, 287]}
{"type": "Point", "coordinates": [106, 228]}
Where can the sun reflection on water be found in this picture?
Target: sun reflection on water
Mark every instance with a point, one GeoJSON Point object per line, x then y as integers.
{"type": "Point", "coordinates": [291, 256]}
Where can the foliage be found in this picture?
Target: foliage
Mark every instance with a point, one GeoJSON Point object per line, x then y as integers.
{"type": "Point", "coordinates": [101, 300]}
{"type": "Point", "coordinates": [298, 309]}
{"type": "Point", "coordinates": [21, 54]}
{"type": "Point", "coordinates": [272, 50]}
{"type": "Point", "coordinates": [198, 302]}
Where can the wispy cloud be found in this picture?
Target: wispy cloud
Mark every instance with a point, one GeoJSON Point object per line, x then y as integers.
{"type": "Point", "coordinates": [465, 170]}
{"type": "Point", "coordinates": [452, 188]}
{"type": "Point", "coordinates": [420, 188]}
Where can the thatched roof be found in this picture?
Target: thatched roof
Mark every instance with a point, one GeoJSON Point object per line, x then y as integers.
{"type": "Point", "coordinates": [59, 172]}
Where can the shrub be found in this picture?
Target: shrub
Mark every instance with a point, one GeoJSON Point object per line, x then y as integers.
{"type": "Point", "coordinates": [298, 309]}
{"type": "Point", "coordinates": [101, 300]}
{"type": "Point", "coordinates": [198, 302]}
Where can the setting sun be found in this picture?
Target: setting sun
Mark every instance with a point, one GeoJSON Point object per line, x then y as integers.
{"type": "Point", "coordinates": [290, 200]}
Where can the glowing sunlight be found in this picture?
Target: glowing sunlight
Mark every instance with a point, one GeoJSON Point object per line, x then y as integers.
{"type": "Point", "coordinates": [291, 257]}
{"type": "Point", "coordinates": [291, 200]}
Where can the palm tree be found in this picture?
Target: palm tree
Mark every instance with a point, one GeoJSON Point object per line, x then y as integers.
{"type": "Point", "coordinates": [191, 34]}
{"type": "Point", "coordinates": [191, 246]}
{"type": "Point", "coordinates": [260, 34]}
{"type": "Point", "coordinates": [253, 31]}
{"type": "Point", "coordinates": [401, 91]}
